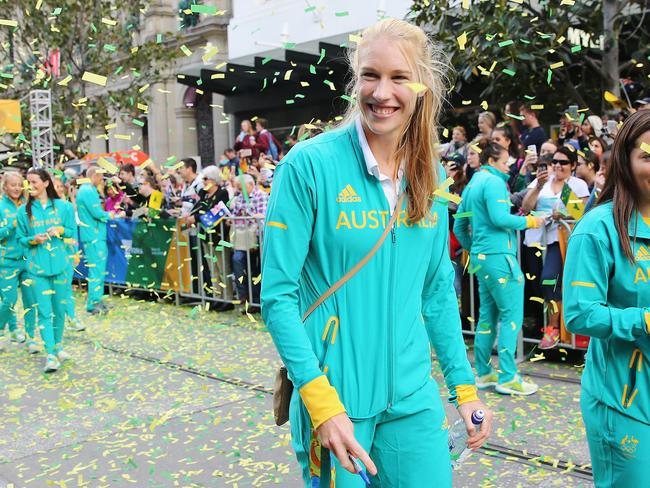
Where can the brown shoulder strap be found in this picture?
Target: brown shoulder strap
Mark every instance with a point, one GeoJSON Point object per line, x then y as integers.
{"type": "Point", "coordinates": [360, 264]}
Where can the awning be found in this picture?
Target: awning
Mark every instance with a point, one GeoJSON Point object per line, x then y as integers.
{"type": "Point", "coordinates": [301, 78]}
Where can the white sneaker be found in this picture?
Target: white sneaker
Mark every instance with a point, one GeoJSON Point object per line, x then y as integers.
{"type": "Point", "coordinates": [51, 364]}
{"type": "Point", "coordinates": [77, 325]}
{"type": "Point", "coordinates": [517, 386]}
{"type": "Point", "coordinates": [32, 347]}
{"type": "Point", "coordinates": [17, 336]}
{"type": "Point", "coordinates": [487, 380]}
{"type": "Point", "coordinates": [62, 356]}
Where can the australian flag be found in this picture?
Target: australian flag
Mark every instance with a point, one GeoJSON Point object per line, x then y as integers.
{"type": "Point", "coordinates": [215, 215]}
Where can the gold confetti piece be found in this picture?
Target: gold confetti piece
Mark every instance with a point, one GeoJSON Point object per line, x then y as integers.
{"type": "Point", "coordinates": [218, 76]}
{"type": "Point", "coordinates": [462, 40]}
{"type": "Point", "coordinates": [81, 181]}
{"type": "Point", "coordinates": [538, 357]}
{"type": "Point", "coordinates": [354, 38]}
{"type": "Point", "coordinates": [484, 105]}
{"type": "Point", "coordinates": [476, 149]}
{"type": "Point", "coordinates": [110, 22]}
{"type": "Point", "coordinates": [93, 78]}
{"type": "Point", "coordinates": [645, 147]}
{"type": "Point", "coordinates": [449, 196]}
{"type": "Point", "coordinates": [16, 393]}
{"type": "Point", "coordinates": [417, 87]}
{"type": "Point", "coordinates": [210, 54]}
{"type": "Point", "coordinates": [537, 107]}
{"type": "Point", "coordinates": [65, 81]}
{"type": "Point", "coordinates": [287, 75]}
{"type": "Point", "coordinates": [557, 65]}
{"type": "Point", "coordinates": [107, 165]}
{"type": "Point", "coordinates": [10, 23]}
{"type": "Point", "coordinates": [536, 299]}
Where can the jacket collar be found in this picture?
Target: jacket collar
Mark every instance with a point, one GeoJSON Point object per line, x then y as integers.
{"type": "Point", "coordinates": [489, 169]}
{"type": "Point", "coordinates": [637, 226]}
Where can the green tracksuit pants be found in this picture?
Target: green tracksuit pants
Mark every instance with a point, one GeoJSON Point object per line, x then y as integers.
{"type": "Point", "coordinates": [407, 443]}
{"type": "Point", "coordinates": [13, 275]}
{"type": "Point", "coordinates": [501, 294]}
{"type": "Point", "coordinates": [96, 253]}
{"type": "Point", "coordinates": [69, 308]}
{"type": "Point", "coordinates": [52, 295]}
{"type": "Point", "coordinates": [619, 445]}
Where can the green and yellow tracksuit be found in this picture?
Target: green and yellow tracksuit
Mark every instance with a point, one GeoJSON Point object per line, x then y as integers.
{"type": "Point", "coordinates": [92, 232]}
{"type": "Point", "coordinates": [13, 272]}
{"type": "Point", "coordinates": [366, 349]}
{"type": "Point", "coordinates": [485, 227]}
{"type": "Point", "coordinates": [608, 298]}
{"type": "Point", "coordinates": [48, 264]}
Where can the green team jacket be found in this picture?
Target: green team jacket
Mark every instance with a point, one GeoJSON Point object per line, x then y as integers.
{"type": "Point", "coordinates": [92, 217]}
{"type": "Point", "coordinates": [608, 298]}
{"type": "Point", "coordinates": [367, 346]}
{"type": "Point", "coordinates": [52, 257]}
{"type": "Point", "coordinates": [486, 203]}
{"type": "Point", "coordinates": [9, 246]}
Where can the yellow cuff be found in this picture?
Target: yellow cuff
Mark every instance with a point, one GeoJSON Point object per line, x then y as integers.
{"type": "Point", "coordinates": [647, 322]}
{"type": "Point", "coordinates": [466, 393]}
{"type": "Point", "coordinates": [321, 400]}
{"type": "Point", "coordinates": [531, 222]}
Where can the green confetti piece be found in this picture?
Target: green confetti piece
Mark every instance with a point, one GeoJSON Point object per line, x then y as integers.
{"type": "Point", "coordinates": [513, 116]}
{"type": "Point", "coordinates": [312, 69]}
{"type": "Point", "coordinates": [110, 48]}
{"type": "Point", "coordinates": [474, 269]}
{"type": "Point", "coordinates": [224, 243]}
{"type": "Point", "coordinates": [185, 50]}
{"type": "Point", "coordinates": [549, 75]}
{"type": "Point", "coordinates": [342, 14]}
{"type": "Point", "coordinates": [264, 85]}
{"type": "Point", "coordinates": [576, 49]}
{"type": "Point", "coordinates": [266, 60]}
{"type": "Point", "coordinates": [159, 38]}
{"type": "Point", "coordinates": [348, 98]}
{"type": "Point", "coordinates": [322, 55]}
{"type": "Point", "coordinates": [549, 282]}
{"type": "Point", "coordinates": [463, 215]}
{"type": "Point", "coordinates": [290, 102]}
{"type": "Point", "coordinates": [509, 42]}
{"type": "Point", "coordinates": [204, 9]}
{"type": "Point", "coordinates": [56, 11]}
{"type": "Point", "coordinates": [138, 122]}
{"type": "Point", "coordinates": [310, 9]}
{"type": "Point", "coordinates": [508, 72]}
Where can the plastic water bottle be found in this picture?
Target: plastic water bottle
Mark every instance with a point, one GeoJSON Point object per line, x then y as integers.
{"type": "Point", "coordinates": [458, 438]}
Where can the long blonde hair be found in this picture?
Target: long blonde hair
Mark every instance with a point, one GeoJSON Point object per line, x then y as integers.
{"type": "Point", "coordinates": [419, 139]}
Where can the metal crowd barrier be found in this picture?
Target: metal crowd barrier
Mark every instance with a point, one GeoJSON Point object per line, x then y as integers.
{"type": "Point", "coordinates": [521, 339]}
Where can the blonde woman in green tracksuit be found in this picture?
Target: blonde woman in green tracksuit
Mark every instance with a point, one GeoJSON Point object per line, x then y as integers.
{"type": "Point", "coordinates": [493, 244]}
{"type": "Point", "coordinates": [44, 223]}
{"type": "Point", "coordinates": [13, 271]}
{"type": "Point", "coordinates": [361, 363]}
{"type": "Point", "coordinates": [607, 296]}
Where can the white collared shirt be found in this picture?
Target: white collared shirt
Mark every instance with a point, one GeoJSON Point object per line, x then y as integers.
{"type": "Point", "coordinates": [391, 189]}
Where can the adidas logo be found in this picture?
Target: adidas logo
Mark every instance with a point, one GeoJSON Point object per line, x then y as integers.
{"type": "Point", "coordinates": [348, 195]}
{"type": "Point", "coordinates": [642, 254]}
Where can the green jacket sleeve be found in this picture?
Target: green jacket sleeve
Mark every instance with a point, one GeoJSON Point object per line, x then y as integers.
{"type": "Point", "coordinates": [289, 224]}
{"type": "Point", "coordinates": [93, 205]}
{"type": "Point", "coordinates": [69, 223]}
{"type": "Point", "coordinates": [7, 227]}
{"type": "Point", "coordinates": [497, 203]}
{"type": "Point", "coordinates": [24, 232]}
{"type": "Point", "coordinates": [440, 311]}
{"type": "Point", "coordinates": [585, 285]}
{"type": "Point", "coordinates": [461, 229]}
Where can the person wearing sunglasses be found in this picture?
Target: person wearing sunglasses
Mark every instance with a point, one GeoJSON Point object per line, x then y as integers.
{"type": "Point", "coordinates": [555, 198]}
{"type": "Point", "coordinates": [607, 297]}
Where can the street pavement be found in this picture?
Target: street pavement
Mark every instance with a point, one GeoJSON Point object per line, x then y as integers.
{"type": "Point", "coordinates": [163, 396]}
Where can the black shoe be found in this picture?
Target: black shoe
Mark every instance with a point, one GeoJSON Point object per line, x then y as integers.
{"type": "Point", "coordinates": [224, 307]}
{"type": "Point", "coordinates": [253, 309]}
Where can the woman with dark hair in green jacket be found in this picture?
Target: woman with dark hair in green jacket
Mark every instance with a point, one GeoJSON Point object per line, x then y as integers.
{"type": "Point", "coordinates": [607, 297]}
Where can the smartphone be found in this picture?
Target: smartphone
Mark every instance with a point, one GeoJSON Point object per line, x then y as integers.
{"type": "Point", "coordinates": [542, 167]}
{"type": "Point", "coordinates": [532, 149]}
{"type": "Point", "coordinates": [245, 153]}
{"type": "Point", "coordinates": [573, 112]}
{"type": "Point", "coordinates": [611, 126]}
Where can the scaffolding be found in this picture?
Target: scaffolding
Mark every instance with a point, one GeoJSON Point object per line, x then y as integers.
{"type": "Point", "coordinates": [40, 108]}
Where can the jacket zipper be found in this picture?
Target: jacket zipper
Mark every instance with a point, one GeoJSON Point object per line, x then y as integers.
{"type": "Point", "coordinates": [391, 310]}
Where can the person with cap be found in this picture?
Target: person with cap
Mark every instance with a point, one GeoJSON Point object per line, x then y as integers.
{"type": "Point", "coordinates": [209, 196]}
{"type": "Point", "coordinates": [642, 104]}
{"type": "Point", "coordinates": [493, 246]}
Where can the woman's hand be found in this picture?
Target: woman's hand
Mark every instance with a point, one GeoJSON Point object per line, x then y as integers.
{"type": "Point", "coordinates": [53, 232]}
{"type": "Point", "coordinates": [476, 437]}
{"type": "Point", "coordinates": [41, 238]}
{"type": "Point", "coordinates": [542, 178]}
{"type": "Point", "coordinates": [337, 435]}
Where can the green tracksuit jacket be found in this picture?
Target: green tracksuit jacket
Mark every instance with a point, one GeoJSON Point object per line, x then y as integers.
{"type": "Point", "coordinates": [608, 298]}
{"type": "Point", "coordinates": [52, 257]}
{"type": "Point", "coordinates": [9, 246]}
{"type": "Point", "coordinates": [368, 346]}
{"type": "Point", "coordinates": [492, 225]}
{"type": "Point", "coordinates": [92, 217]}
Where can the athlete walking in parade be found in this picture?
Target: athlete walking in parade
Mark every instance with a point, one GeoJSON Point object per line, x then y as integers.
{"type": "Point", "coordinates": [43, 224]}
{"type": "Point", "coordinates": [361, 362]}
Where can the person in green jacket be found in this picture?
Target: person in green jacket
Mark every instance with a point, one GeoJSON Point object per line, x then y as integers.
{"type": "Point", "coordinates": [92, 231]}
{"type": "Point", "coordinates": [607, 297]}
{"type": "Point", "coordinates": [361, 362]}
{"type": "Point", "coordinates": [44, 222]}
{"type": "Point", "coordinates": [12, 265]}
{"type": "Point", "coordinates": [493, 244]}
{"type": "Point", "coordinates": [73, 250]}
